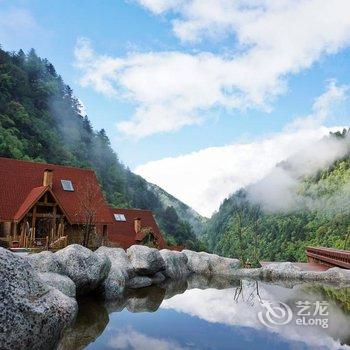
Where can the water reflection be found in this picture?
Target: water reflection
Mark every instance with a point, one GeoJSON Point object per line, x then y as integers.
{"type": "Point", "coordinates": [91, 321]}
{"type": "Point", "coordinates": [202, 313]}
{"type": "Point", "coordinates": [128, 338]}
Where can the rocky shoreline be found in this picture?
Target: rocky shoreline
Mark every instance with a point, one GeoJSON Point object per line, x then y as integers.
{"type": "Point", "coordinates": [39, 291]}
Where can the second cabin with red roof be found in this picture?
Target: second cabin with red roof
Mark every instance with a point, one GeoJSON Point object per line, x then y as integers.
{"type": "Point", "coordinates": [48, 206]}
{"type": "Point", "coordinates": [134, 226]}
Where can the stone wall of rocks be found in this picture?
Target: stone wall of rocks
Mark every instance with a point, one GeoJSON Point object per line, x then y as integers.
{"type": "Point", "coordinates": [107, 271]}
{"type": "Point", "coordinates": [76, 270]}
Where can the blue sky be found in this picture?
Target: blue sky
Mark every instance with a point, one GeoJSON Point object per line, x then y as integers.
{"type": "Point", "coordinates": [251, 70]}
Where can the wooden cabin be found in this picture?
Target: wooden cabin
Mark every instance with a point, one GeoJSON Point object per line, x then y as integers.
{"type": "Point", "coordinates": [134, 226]}
{"type": "Point", "coordinates": [50, 206]}
{"type": "Point", "coordinates": [47, 206]}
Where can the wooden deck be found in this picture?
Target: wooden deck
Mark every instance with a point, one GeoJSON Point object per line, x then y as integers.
{"type": "Point", "coordinates": [330, 257]}
{"type": "Point", "coordinates": [303, 266]}
{"type": "Point", "coordinates": [321, 259]}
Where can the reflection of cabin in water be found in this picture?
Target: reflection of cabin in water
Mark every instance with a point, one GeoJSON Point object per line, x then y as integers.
{"type": "Point", "coordinates": [50, 206]}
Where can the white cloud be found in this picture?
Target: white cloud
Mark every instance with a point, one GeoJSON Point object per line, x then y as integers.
{"type": "Point", "coordinates": [323, 106]}
{"type": "Point", "coordinates": [205, 178]}
{"type": "Point", "coordinates": [18, 23]}
{"type": "Point", "coordinates": [254, 22]}
{"type": "Point", "coordinates": [15, 19]}
{"type": "Point", "coordinates": [128, 338]}
{"type": "Point", "coordinates": [160, 6]}
{"type": "Point", "coordinates": [278, 190]}
{"type": "Point", "coordinates": [270, 40]}
{"type": "Point", "coordinates": [218, 306]}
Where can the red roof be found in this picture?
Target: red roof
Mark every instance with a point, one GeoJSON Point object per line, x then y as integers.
{"type": "Point", "coordinates": [123, 232]}
{"type": "Point", "coordinates": [21, 184]}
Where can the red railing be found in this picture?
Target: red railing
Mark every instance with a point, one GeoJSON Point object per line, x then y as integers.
{"type": "Point", "coordinates": [329, 256]}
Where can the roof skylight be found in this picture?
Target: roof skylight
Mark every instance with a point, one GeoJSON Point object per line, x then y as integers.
{"type": "Point", "coordinates": [67, 185]}
{"type": "Point", "coordinates": [119, 217]}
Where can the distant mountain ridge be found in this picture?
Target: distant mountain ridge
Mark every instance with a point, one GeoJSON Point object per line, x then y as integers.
{"type": "Point", "coordinates": [314, 209]}
{"type": "Point", "coordinates": [197, 221]}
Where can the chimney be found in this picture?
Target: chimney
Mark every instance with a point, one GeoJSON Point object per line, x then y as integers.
{"type": "Point", "coordinates": [48, 177]}
{"type": "Point", "coordinates": [137, 225]}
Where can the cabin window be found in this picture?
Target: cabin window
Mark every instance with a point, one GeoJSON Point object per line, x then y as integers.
{"type": "Point", "coordinates": [67, 185]}
{"type": "Point", "coordinates": [2, 230]}
{"type": "Point", "coordinates": [119, 217]}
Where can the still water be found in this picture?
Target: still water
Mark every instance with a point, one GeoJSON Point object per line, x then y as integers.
{"type": "Point", "coordinates": [202, 314]}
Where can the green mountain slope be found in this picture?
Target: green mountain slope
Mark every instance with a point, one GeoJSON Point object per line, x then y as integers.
{"type": "Point", "coordinates": [40, 120]}
{"type": "Point", "coordinates": [197, 221]}
{"type": "Point", "coordinates": [244, 228]}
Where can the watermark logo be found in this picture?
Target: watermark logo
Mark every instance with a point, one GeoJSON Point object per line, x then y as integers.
{"type": "Point", "coordinates": [307, 313]}
{"type": "Point", "coordinates": [275, 314]}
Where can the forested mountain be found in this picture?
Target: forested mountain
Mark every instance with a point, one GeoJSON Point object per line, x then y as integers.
{"type": "Point", "coordinates": [316, 213]}
{"type": "Point", "coordinates": [197, 221]}
{"type": "Point", "coordinates": [40, 120]}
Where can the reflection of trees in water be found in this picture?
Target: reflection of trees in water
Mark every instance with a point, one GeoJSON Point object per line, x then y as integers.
{"type": "Point", "coordinates": [93, 315]}
{"type": "Point", "coordinates": [252, 295]}
{"type": "Point", "coordinates": [340, 296]}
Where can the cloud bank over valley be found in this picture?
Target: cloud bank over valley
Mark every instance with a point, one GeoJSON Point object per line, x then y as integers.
{"type": "Point", "coordinates": [205, 178]}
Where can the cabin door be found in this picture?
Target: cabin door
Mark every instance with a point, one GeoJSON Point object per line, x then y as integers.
{"type": "Point", "coordinates": [43, 229]}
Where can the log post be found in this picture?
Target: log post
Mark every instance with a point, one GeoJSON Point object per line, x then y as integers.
{"type": "Point", "coordinates": [54, 214]}
{"type": "Point", "coordinates": [33, 225]}
{"type": "Point", "coordinates": [14, 231]}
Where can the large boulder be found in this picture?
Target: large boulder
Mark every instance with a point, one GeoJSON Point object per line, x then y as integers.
{"type": "Point", "coordinates": [254, 273]}
{"type": "Point", "coordinates": [33, 314]}
{"type": "Point", "coordinates": [198, 262]}
{"type": "Point", "coordinates": [336, 275]}
{"type": "Point", "coordinates": [175, 264]}
{"type": "Point", "coordinates": [210, 264]}
{"type": "Point", "coordinates": [289, 270]}
{"type": "Point", "coordinates": [277, 270]}
{"type": "Point", "coordinates": [113, 286]}
{"type": "Point", "coordinates": [85, 268]}
{"type": "Point", "coordinates": [60, 282]}
{"type": "Point", "coordinates": [144, 260]}
{"type": "Point", "coordinates": [282, 266]}
{"type": "Point", "coordinates": [222, 266]}
{"type": "Point", "coordinates": [44, 262]}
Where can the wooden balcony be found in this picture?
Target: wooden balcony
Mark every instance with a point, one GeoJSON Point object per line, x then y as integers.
{"type": "Point", "coordinates": [330, 257]}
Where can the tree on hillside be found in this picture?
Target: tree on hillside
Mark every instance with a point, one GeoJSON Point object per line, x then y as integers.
{"type": "Point", "coordinates": [89, 201]}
